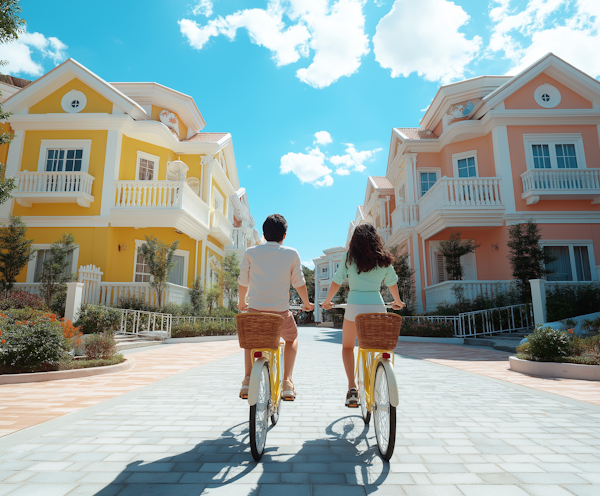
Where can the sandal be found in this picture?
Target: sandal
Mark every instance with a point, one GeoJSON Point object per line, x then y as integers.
{"type": "Point", "coordinates": [245, 387]}
{"type": "Point", "coordinates": [352, 398]}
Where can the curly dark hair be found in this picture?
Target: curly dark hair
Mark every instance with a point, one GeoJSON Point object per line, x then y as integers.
{"type": "Point", "coordinates": [367, 249]}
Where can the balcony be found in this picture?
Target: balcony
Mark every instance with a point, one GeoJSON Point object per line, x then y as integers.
{"type": "Point", "coordinates": [405, 215]}
{"type": "Point", "coordinates": [54, 187]}
{"type": "Point", "coordinates": [443, 293]}
{"type": "Point", "coordinates": [561, 184]}
{"type": "Point", "coordinates": [220, 227]}
{"type": "Point", "coordinates": [160, 204]}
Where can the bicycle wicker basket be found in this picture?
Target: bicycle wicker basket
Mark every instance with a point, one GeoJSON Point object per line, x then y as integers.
{"type": "Point", "coordinates": [259, 330]}
{"type": "Point", "coordinates": [378, 331]}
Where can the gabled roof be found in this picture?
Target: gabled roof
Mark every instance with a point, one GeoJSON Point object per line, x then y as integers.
{"type": "Point", "coordinates": [39, 89]}
{"type": "Point", "coordinates": [381, 182]}
{"type": "Point", "coordinates": [416, 133]}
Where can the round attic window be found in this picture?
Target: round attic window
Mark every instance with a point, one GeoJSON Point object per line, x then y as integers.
{"type": "Point", "coordinates": [74, 101]}
{"type": "Point", "coordinates": [547, 96]}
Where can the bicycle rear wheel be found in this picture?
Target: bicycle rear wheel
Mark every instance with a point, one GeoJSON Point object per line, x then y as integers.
{"type": "Point", "coordinates": [384, 414]}
{"type": "Point", "coordinates": [362, 396]}
{"type": "Point", "coordinates": [259, 415]}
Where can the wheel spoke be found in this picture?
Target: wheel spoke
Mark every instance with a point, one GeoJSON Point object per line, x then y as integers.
{"type": "Point", "coordinates": [382, 411]}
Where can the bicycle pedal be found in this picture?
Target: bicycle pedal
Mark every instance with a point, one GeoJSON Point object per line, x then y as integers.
{"type": "Point", "coordinates": [351, 405]}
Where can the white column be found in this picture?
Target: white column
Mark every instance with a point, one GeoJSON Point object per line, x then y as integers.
{"type": "Point", "coordinates": [112, 164]}
{"type": "Point", "coordinates": [538, 298]}
{"type": "Point", "coordinates": [417, 269]}
{"type": "Point", "coordinates": [203, 264]}
{"type": "Point", "coordinates": [411, 162]}
{"type": "Point", "coordinates": [503, 167]}
{"type": "Point", "coordinates": [74, 295]}
{"type": "Point", "coordinates": [598, 271]}
{"type": "Point", "coordinates": [195, 263]}
{"type": "Point", "coordinates": [13, 162]}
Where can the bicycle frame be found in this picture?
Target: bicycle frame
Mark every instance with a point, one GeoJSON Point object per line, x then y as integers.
{"type": "Point", "coordinates": [275, 360]}
{"type": "Point", "coordinates": [376, 358]}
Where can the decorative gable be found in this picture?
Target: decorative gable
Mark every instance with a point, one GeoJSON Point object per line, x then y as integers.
{"type": "Point", "coordinates": [73, 97]}
{"type": "Point", "coordinates": [545, 92]}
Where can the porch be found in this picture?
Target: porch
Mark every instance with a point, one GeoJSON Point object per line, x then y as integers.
{"type": "Point", "coordinates": [443, 292]}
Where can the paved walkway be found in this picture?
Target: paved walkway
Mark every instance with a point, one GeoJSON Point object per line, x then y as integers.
{"type": "Point", "coordinates": [458, 434]}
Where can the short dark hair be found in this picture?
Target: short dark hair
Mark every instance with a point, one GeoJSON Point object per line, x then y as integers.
{"type": "Point", "coordinates": [274, 228]}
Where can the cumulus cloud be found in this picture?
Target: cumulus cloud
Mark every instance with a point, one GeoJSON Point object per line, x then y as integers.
{"type": "Point", "coordinates": [571, 31]}
{"type": "Point", "coordinates": [308, 167]}
{"type": "Point", "coordinates": [352, 160]}
{"type": "Point", "coordinates": [203, 7]}
{"type": "Point", "coordinates": [25, 55]}
{"type": "Point", "coordinates": [331, 31]}
{"type": "Point", "coordinates": [424, 37]}
{"type": "Point", "coordinates": [310, 264]}
{"type": "Point", "coordinates": [322, 138]}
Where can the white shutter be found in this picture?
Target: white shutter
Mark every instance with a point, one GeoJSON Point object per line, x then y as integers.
{"type": "Point", "coordinates": [440, 267]}
{"type": "Point", "coordinates": [469, 266]}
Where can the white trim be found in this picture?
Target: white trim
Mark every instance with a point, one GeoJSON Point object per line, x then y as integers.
{"type": "Point", "coordinates": [69, 97]}
{"type": "Point", "coordinates": [216, 195]}
{"type": "Point", "coordinates": [181, 253]}
{"type": "Point", "coordinates": [418, 280]}
{"type": "Point", "coordinates": [554, 139]}
{"type": "Point", "coordinates": [46, 246]}
{"type": "Point", "coordinates": [559, 217]}
{"type": "Point", "coordinates": [503, 167]}
{"type": "Point", "coordinates": [153, 158]}
{"type": "Point", "coordinates": [85, 144]}
{"type": "Point", "coordinates": [551, 91]}
{"type": "Point", "coordinates": [112, 160]}
{"type": "Point", "coordinates": [215, 248]}
{"type": "Point", "coordinates": [13, 162]}
{"type": "Point", "coordinates": [434, 247]}
{"type": "Point", "coordinates": [72, 221]}
{"type": "Point", "coordinates": [138, 243]}
{"type": "Point", "coordinates": [464, 155]}
{"type": "Point", "coordinates": [588, 243]}
{"type": "Point", "coordinates": [418, 172]}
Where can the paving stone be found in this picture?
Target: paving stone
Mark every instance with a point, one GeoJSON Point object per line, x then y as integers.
{"type": "Point", "coordinates": [545, 490]}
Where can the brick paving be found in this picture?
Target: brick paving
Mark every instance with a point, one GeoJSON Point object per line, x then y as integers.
{"type": "Point", "coordinates": [492, 363]}
{"type": "Point", "coordinates": [459, 433]}
{"type": "Point", "coordinates": [25, 405]}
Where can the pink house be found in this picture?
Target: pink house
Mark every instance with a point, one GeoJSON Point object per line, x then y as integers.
{"type": "Point", "coordinates": [494, 151]}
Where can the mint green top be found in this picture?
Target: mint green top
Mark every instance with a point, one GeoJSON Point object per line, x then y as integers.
{"type": "Point", "coordinates": [364, 287]}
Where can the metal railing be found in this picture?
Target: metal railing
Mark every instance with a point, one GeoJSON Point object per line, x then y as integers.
{"type": "Point", "coordinates": [147, 325]}
{"type": "Point", "coordinates": [194, 320]}
{"type": "Point", "coordinates": [453, 320]}
{"type": "Point", "coordinates": [511, 318]}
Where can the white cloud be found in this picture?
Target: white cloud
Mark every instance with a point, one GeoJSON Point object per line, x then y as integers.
{"type": "Point", "coordinates": [424, 37]}
{"type": "Point", "coordinates": [540, 27]}
{"type": "Point", "coordinates": [352, 159]}
{"type": "Point", "coordinates": [203, 7]}
{"type": "Point", "coordinates": [333, 31]}
{"type": "Point", "coordinates": [322, 138]}
{"type": "Point", "coordinates": [308, 167]}
{"type": "Point", "coordinates": [24, 54]}
{"type": "Point", "coordinates": [309, 263]}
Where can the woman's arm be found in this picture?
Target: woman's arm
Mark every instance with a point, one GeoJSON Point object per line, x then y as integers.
{"type": "Point", "coordinates": [333, 289]}
{"type": "Point", "coordinates": [397, 304]}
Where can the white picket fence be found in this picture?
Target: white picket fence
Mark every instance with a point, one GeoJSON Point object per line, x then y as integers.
{"type": "Point", "coordinates": [90, 276]}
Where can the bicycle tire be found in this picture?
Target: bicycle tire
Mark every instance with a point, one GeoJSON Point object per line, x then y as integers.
{"type": "Point", "coordinates": [362, 397]}
{"type": "Point", "coordinates": [275, 417]}
{"type": "Point", "coordinates": [259, 415]}
{"type": "Point", "coordinates": [384, 414]}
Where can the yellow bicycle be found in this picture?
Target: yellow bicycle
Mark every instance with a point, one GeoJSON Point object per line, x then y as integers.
{"type": "Point", "coordinates": [377, 388]}
{"type": "Point", "coordinates": [260, 333]}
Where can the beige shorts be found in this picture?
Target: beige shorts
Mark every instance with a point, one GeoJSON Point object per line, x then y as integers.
{"type": "Point", "coordinates": [352, 310]}
{"type": "Point", "coordinates": [289, 331]}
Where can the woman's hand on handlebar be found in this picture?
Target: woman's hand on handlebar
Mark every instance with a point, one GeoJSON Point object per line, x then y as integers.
{"type": "Point", "coordinates": [326, 305]}
{"type": "Point", "coordinates": [398, 305]}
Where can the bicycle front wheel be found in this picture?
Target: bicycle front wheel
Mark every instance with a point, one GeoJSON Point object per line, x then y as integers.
{"type": "Point", "coordinates": [362, 396]}
{"type": "Point", "coordinates": [384, 414]}
{"type": "Point", "coordinates": [259, 415]}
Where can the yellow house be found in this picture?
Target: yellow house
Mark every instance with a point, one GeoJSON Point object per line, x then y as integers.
{"type": "Point", "coordinates": [112, 163]}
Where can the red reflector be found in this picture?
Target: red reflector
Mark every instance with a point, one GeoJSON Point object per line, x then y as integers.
{"type": "Point", "coordinates": [385, 355]}
{"type": "Point", "coordinates": [257, 354]}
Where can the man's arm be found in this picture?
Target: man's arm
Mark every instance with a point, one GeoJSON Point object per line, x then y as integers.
{"type": "Point", "coordinates": [242, 290]}
{"type": "Point", "coordinates": [308, 306]}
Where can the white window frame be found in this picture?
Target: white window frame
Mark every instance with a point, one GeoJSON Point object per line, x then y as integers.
{"type": "Point", "coordinates": [182, 253]}
{"type": "Point", "coordinates": [147, 156]}
{"type": "Point", "coordinates": [464, 155]}
{"type": "Point", "coordinates": [570, 244]}
{"type": "Point", "coordinates": [438, 172]}
{"type": "Point", "coordinates": [551, 140]}
{"type": "Point", "coordinates": [336, 266]}
{"type": "Point", "coordinates": [33, 262]}
{"type": "Point", "coordinates": [434, 247]}
{"type": "Point", "coordinates": [79, 144]}
{"type": "Point", "coordinates": [217, 194]}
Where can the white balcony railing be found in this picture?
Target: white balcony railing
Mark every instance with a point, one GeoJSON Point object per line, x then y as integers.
{"type": "Point", "coordinates": [240, 239]}
{"type": "Point", "coordinates": [467, 192]}
{"type": "Point", "coordinates": [324, 275]}
{"type": "Point", "coordinates": [112, 292]}
{"type": "Point", "coordinates": [54, 187]}
{"type": "Point", "coordinates": [385, 233]}
{"type": "Point", "coordinates": [220, 227]}
{"type": "Point", "coordinates": [567, 184]}
{"type": "Point", "coordinates": [161, 195]}
{"type": "Point", "coordinates": [405, 215]}
{"type": "Point", "coordinates": [442, 292]}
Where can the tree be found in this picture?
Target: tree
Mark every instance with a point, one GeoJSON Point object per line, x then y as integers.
{"type": "Point", "coordinates": [406, 285]}
{"type": "Point", "coordinates": [11, 25]}
{"type": "Point", "coordinates": [527, 258]}
{"type": "Point", "coordinates": [453, 250]}
{"type": "Point", "coordinates": [56, 268]}
{"type": "Point", "coordinates": [309, 276]}
{"type": "Point", "coordinates": [15, 252]}
{"type": "Point", "coordinates": [213, 293]}
{"type": "Point", "coordinates": [228, 279]}
{"type": "Point", "coordinates": [159, 257]}
{"type": "Point", "coordinates": [197, 295]}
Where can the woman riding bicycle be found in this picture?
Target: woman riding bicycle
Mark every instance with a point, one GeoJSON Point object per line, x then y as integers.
{"type": "Point", "coordinates": [366, 264]}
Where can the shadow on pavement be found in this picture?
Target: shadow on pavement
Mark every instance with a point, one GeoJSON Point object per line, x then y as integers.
{"type": "Point", "coordinates": [329, 335]}
{"type": "Point", "coordinates": [343, 457]}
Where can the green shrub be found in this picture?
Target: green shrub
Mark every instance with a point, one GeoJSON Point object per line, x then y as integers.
{"type": "Point", "coordinates": [547, 344]}
{"type": "Point", "coordinates": [59, 301]}
{"type": "Point", "coordinates": [98, 346]}
{"type": "Point", "coordinates": [32, 346]}
{"type": "Point", "coordinates": [22, 299]}
{"type": "Point", "coordinates": [524, 348]}
{"type": "Point", "coordinates": [564, 301]}
{"type": "Point", "coordinates": [98, 318]}
{"type": "Point", "coordinates": [85, 364]}
{"type": "Point", "coordinates": [591, 327]}
{"type": "Point", "coordinates": [425, 328]}
{"type": "Point", "coordinates": [24, 315]}
{"type": "Point", "coordinates": [215, 328]}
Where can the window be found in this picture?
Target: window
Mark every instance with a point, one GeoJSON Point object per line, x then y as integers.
{"type": "Point", "coordinates": [142, 270]}
{"type": "Point", "coordinates": [336, 266]}
{"type": "Point", "coordinates": [42, 256]}
{"type": "Point", "coordinates": [554, 151]}
{"type": "Point", "coordinates": [177, 272]}
{"type": "Point", "coordinates": [146, 167]}
{"type": "Point", "coordinates": [572, 262]}
{"type": "Point", "coordinates": [466, 167]}
{"type": "Point", "coordinates": [428, 179]}
{"type": "Point", "coordinates": [58, 160]}
{"type": "Point", "coordinates": [34, 267]}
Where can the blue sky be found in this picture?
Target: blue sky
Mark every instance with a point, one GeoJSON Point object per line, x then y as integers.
{"type": "Point", "coordinates": [274, 73]}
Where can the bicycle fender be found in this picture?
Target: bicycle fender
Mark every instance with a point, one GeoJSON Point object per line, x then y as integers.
{"type": "Point", "coordinates": [392, 384]}
{"type": "Point", "coordinates": [255, 381]}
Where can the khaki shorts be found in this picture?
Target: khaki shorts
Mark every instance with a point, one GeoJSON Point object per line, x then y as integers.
{"type": "Point", "coordinates": [289, 331]}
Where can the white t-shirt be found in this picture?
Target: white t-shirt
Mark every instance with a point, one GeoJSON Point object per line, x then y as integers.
{"type": "Point", "coordinates": [267, 270]}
